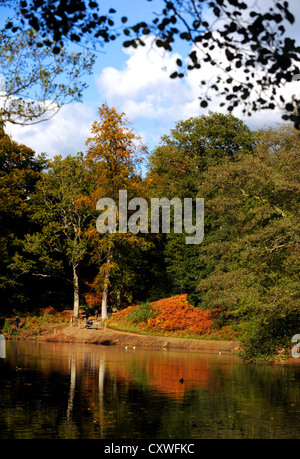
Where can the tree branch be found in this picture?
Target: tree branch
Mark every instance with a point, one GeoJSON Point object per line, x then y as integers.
{"type": "Point", "coordinates": [263, 200]}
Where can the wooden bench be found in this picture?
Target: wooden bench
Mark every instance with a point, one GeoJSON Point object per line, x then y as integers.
{"type": "Point", "coordinates": [81, 323]}
{"type": "Point", "coordinates": [92, 324]}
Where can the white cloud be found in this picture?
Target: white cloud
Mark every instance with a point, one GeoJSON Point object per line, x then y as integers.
{"type": "Point", "coordinates": [143, 90]}
{"type": "Point", "coordinates": [154, 102]}
{"type": "Point", "coordinates": [64, 134]}
{"type": "Point", "coordinates": [146, 70]}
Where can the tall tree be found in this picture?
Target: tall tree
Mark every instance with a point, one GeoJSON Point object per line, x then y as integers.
{"type": "Point", "coordinates": [62, 212]}
{"type": "Point", "coordinates": [114, 157]}
{"type": "Point", "coordinates": [177, 168]}
{"type": "Point", "coordinates": [20, 170]}
{"type": "Point", "coordinates": [194, 145]}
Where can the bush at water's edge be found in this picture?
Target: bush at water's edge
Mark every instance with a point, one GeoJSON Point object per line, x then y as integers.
{"type": "Point", "coordinates": [172, 316]}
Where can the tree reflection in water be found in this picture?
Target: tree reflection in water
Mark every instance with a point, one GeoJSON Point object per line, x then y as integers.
{"type": "Point", "coordinates": [54, 390]}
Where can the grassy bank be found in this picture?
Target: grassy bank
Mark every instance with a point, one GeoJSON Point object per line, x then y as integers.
{"type": "Point", "coordinates": [44, 322]}
{"type": "Point", "coordinates": [173, 317]}
{"type": "Point", "coordinates": [167, 319]}
{"type": "Point", "coordinates": [170, 317]}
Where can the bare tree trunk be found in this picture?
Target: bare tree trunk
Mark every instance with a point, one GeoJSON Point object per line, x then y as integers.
{"type": "Point", "coordinates": [118, 299]}
{"type": "Point", "coordinates": [106, 284]}
{"type": "Point", "coordinates": [76, 292]}
{"type": "Point", "coordinates": [105, 296]}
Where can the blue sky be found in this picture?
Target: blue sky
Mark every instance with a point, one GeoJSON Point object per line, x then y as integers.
{"type": "Point", "coordinates": [135, 82]}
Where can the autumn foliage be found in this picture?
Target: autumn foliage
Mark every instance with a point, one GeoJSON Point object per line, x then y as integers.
{"type": "Point", "coordinates": [173, 314]}
{"type": "Point", "coordinates": [176, 313]}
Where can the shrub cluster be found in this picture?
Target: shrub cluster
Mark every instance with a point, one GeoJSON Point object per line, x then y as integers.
{"type": "Point", "coordinates": [173, 314]}
{"type": "Point", "coordinates": [34, 325]}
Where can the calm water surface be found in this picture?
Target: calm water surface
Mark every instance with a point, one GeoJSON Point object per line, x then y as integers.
{"type": "Point", "coordinates": [74, 391]}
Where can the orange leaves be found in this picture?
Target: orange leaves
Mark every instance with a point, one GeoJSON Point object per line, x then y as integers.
{"type": "Point", "coordinates": [176, 313]}
{"type": "Point", "coordinates": [115, 153]}
{"type": "Point", "coordinates": [93, 299]}
{"type": "Point", "coordinates": [173, 314]}
{"type": "Point", "coordinates": [82, 201]}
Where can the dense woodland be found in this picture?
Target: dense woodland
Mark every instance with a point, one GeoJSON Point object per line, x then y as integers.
{"type": "Point", "coordinates": [246, 269]}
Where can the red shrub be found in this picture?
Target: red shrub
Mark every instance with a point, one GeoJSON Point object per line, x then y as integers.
{"type": "Point", "coordinates": [174, 314]}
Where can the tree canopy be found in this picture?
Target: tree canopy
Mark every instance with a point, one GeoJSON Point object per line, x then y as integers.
{"type": "Point", "coordinates": [20, 170]}
{"type": "Point", "coordinates": [247, 265]}
{"type": "Point", "coordinates": [34, 82]}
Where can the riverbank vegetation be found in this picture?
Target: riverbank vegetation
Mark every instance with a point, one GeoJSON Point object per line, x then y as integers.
{"type": "Point", "coordinates": [241, 282]}
{"type": "Point", "coordinates": [40, 323]}
{"type": "Point", "coordinates": [172, 316]}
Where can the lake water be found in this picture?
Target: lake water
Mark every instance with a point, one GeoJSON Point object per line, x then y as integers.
{"type": "Point", "coordinates": [83, 391]}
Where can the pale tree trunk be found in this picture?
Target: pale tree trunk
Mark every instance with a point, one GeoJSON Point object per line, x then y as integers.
{"type": "Point", "coordinates": [76, 291]}
{"type": "Point", "coordinates": [106, 285]}
{"type": "Point", "coordinates": [105, 296]}
{"type": "Point", "coordinates": [118, 298]}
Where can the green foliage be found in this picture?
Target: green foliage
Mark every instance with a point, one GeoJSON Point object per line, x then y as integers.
{"type": "Point", "coordinates": [142, 313]}
{"type": "Point", "coordinates": [194, 145]}
{"type": "Point", "coordinates": [177, 167]}
{"type": "Point", "coordinates": [20, 170]}
{"type": "Point", "coordinates": [270, 336]}
{"type": "Point", "coordinates": [252, 230]}
{"type": "Point", "coordinates": [61, 207]}
{"type": "Point", "coordinates": [35, 83]}
{"type": "Point", "coordinates": [248, 264]}
{"type": "Point", "coordinates": [8, 327]}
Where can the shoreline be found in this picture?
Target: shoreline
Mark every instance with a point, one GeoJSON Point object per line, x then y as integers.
{"type": "Point", "coordinates": [113, 337]}
{"type": "Point", "coordinates": [120, 338]}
